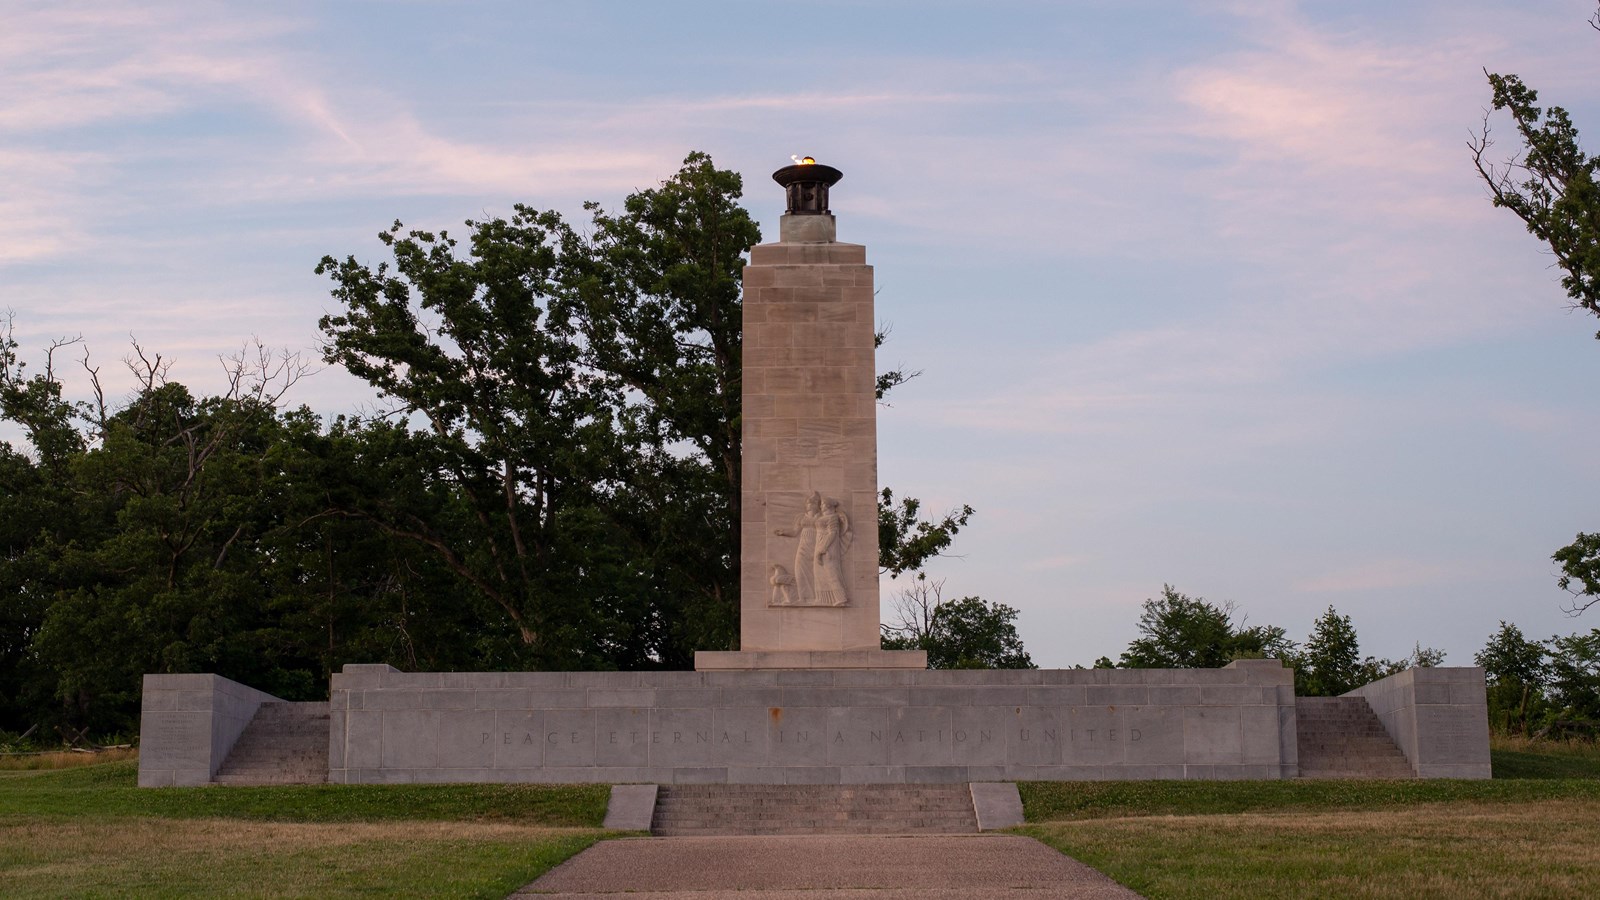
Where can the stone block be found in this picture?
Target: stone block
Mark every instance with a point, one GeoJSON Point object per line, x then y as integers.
{"type": "Point", "coordinates": [983, 735]}
{"type": "Point", "coordinates": [681, 737]}
{"type": "Point", "coordinates": [337, 726]}
{"type": "Point", "coordinates": [757, 775]}
{"type": "Point", "coordinates": [622, 737]}
{"type": "Point", "coordinates": [1212, 736]}
{"type": "Point", "coordinates": [811, 775]}
{"type": "Point", "coordinates": [706, 775]}
{"type": "Point", "coordinates": [1175, 694]}
{"type": "Point", "coordinates": [456, 699]}
{"type": "Point", "coordinates": [871, 775]}
{"type": "Point", "coordinates": [502, 699]}
{"type": "Point", "coordinates": [797, 737]}
{"type": "Point", "coordinates": [921, 736]}
{"type": "Point", "coordinates": [156, 777]}
{"type": "Point", "coordinates": [363, 739]}
{"type": "Point", "coordinates": [740, 735]}
{"type": "Point", "coordinates": [630, 697]}
{"type": "Point", "coordinates": [1088, 736]}
{"type": "Point", "coordinates": [1231, 695]}
{"type": "Point", "coordinates": [410, 738]}
{"type": "Point", "coordinates": [1117, 695]}
{"type": "Point", "coordinates": [1154, 735]}
{"type": "Point", "coordinates": [1450, 735]}
{"type": "Point", "coordinates": [855, 736]}
{"type": "Point", "coordinates": [465, 737]}
{"type": "Point", "coordinates": [631, 807]}
{"type": "Point", "coordinates": [1260, 738]}
{"type": "Point", "coordinates": [557, 698]}
{"type": "Point", "coordinates": [173, 740]}
{"type": "Point", "coordinates": [569, 737]}
{"type": "Point", "coordinates": [997, 805]}
{"type": "Point", "coordinates": [1056, 695]}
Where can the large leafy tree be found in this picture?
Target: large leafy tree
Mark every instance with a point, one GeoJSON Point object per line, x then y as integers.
{"type": "Point", "coordinates": [521, 444]}
{"type": "Point", "coordinates": [1330, 662]}
{"type": "Point", "coordinates": [1182, 632]}
{"type": "Point", "coordinates": [968, 633]}
{"type": "Point", "coordinates": [1553, 186]}
{"type": "Point", "coordinates": [580, 396]}
{"type": "Point", "coordinates": [1516, 670]}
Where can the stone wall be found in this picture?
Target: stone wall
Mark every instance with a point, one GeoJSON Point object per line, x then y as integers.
{"type": "Point", "coordinates": [812, 726]}
{"type": "Point", "coordinates": [188, 725]}
{"type": "Point", "coordinates": [1438, 716]}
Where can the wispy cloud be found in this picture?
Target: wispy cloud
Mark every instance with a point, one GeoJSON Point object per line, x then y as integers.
{"type": "Point", "coordinates": [1385, 574]}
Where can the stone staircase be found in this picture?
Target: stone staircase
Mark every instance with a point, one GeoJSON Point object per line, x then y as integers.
{"type": "Point", "coordinates": [1341, 737]}
{"type": "Point", "coordinates": [286, 743]}
{"type": "Point", "coordinates": [703, 809]}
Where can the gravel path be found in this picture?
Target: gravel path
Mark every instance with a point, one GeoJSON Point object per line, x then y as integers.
{"type": "Point", "coordinates": [980, 867]}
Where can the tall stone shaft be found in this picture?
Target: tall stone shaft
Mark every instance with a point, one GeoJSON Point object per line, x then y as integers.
{"type": "Point", "coordinates": [808, 576]}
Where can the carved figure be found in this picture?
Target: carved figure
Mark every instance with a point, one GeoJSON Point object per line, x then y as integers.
{"type": "Point", "coordinates": [782, 587]}
{"type": "Point", "coordinates": [833, 541]}
{"type": "Point", "coordinates": [805, 528]}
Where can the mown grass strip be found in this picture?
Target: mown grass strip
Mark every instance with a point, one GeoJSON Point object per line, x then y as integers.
{"type": "Point", "coordinates": [111, 790]}
{"type": "Point", "coordinates": [1548, 848]}
{"type": "Point", "coordinates": [1051, 801]}
{"type": "Point", "coordinates": [230, 857]}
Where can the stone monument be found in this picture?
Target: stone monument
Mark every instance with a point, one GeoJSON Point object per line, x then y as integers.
{"type": "Point", "coordinates": [808, 576]}
{"type": "Point", "coordinates": [811, 698]}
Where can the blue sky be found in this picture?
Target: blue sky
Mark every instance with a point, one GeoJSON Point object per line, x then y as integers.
{"type": "Point", "coordinates": [1205, 293]}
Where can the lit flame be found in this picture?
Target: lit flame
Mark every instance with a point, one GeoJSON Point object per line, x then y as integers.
{"type": "Point", "coordinates": [803, 160]}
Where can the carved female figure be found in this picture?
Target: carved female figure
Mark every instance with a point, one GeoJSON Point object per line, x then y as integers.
{"type": "Point", "coordinates": [833, 540]}
{"type": "Point", "coordinates": [805, 528]}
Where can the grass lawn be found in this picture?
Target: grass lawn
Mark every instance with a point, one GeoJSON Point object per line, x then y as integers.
{"type": "Point", "coordinates": [1532, 831]}
{"type": "Point", "coordinates": [90, 832]}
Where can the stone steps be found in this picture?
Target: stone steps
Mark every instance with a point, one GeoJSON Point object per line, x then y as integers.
{"type": "Point", "coordinates": [1341, 737]}
{"type": "Point", "coordinates": [286, 743]}
{"type": "Point", "coordinates": [814, 809]}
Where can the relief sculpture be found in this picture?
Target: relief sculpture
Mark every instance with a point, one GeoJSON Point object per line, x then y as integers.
{"type": "Point", "coordinates": [823, 537]}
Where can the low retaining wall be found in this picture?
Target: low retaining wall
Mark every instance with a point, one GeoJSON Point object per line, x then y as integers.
{"type": "Point", "coordinates": [189, 723]}
{"type": "Point", "coordinates": [837, 726]}
{"type": "Point", "coordinates": [1438, 716]}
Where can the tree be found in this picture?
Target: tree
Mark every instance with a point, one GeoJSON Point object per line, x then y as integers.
{"type": "Point", "coordinates": [1580, 571]}
{"type": "Point", "coordinates": [1330, 663]}
{"type": "Point", "coordinates": [969, 633]}
{"type": "Point", "coordinates": [1574, 685]}
{"type": "Point", "coordinates": [581, 397]}
{"type": "Point", "coordinates": [1181, 632]}
{"type": "Point", "coordinates": [906, 541]}
{"type": "Point", "coordinates": [1554, 188]}
{"type": "Point", "coordinates": [1516, 670]}
{"type": "Point", "coordinates": [1550, 183]}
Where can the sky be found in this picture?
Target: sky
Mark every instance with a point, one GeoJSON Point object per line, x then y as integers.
{"type": "Point", "coordinates": [1203, 294]}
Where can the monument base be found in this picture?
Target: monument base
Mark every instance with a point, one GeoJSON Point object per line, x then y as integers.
{"type": "Point", "coordinates": [745, 660]}
{"type": "Point", "coordinates": [813, 726]}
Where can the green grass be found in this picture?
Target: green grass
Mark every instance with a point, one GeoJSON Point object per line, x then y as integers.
{"type": "Point", "coordinates": [1447, 850]}
{"type": "Point", "coordinates": [1057, 800]}
{"type": "Point", "coordinates": [111, 790]}
{"type": "Point", "coordinates": [1534, 830]}
{"type": "Point", "coordinates": [91, 832]}
{"type": "Point", "coordinates": [1516, 757]}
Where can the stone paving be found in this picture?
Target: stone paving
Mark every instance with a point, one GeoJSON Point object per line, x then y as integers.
{"type": "Point", "coordinates": [980, 867]}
